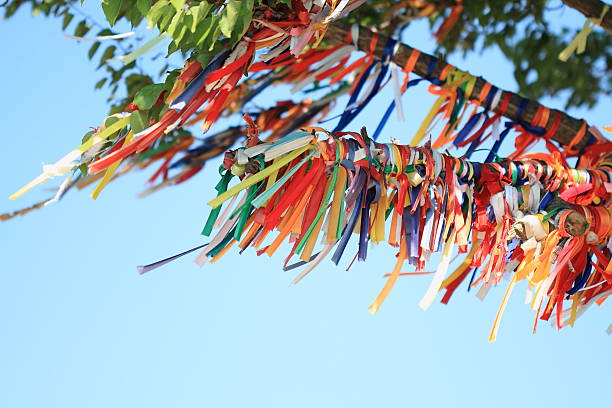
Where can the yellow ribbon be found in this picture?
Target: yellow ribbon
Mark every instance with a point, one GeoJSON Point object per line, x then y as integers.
{"type": "Point", "coordinates": [453, 79]}
{"type": "Point", "coordinates": [108, 174]}
{"type": "Point", "coordinates": [578, 44]}
{"type": "Point", "coordinates": [65, 164]}
{"type": "Point", "coordinates": [500, 311]}
{"type": "Point", "coordinates": [256, 178]}
{"type": "Point", "coordinates": [392, 279]}
{"type": "Point", "coordinates": [334, 212]}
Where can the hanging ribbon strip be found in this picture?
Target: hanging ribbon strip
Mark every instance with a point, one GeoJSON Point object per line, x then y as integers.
{"type": "Point", "coordinates": [532, 219]}
{"type": "Point", "coordinates": [578, 44]}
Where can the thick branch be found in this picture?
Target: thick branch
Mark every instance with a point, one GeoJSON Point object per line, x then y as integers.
{"type": "Point", "coordinates": [568, 128]}
{"type": "Point", "coordinates": [592, 9]}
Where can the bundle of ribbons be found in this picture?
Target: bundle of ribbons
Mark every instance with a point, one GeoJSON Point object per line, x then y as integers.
{"type": "Point", "coordinates": [206, 93]}
{"type": "Point", "coordinates": [290, 51]}
{"type": "Point", "coordinates": [531, 219]}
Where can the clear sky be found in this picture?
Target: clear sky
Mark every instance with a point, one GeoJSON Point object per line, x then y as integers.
{"type": "Point", "coordinates": [80, 328]}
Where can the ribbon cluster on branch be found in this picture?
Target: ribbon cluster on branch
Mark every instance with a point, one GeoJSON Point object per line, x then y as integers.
{"type": "Point", "coordinates": [531, 219]}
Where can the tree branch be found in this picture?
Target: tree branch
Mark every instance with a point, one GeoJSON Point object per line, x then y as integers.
{"type": "Point", "coordinates": [592, 9]}
{"type": "Point", "coordinates": [566, 132]}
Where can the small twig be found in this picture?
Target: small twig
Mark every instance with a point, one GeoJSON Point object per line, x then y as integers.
{"type": "Point", "coordinates": [95, 23]}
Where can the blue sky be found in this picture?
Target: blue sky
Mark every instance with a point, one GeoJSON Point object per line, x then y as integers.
{"type": "Point", "coordinates": [80, 328]}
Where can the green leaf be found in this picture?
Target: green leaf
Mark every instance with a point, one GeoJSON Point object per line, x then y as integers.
{"type": "Point", "coordinates": [83, 168]}
{"type": "Point", "coordinates": [214, 36]}
{"type": "Point", "coordinates": [165, 21]}
{"type": "Point", "coordinates": [110, 121]}
{"type": "Point", "coordinates": [108, 54]}
{"type": "Point", "coordinates": [67, 19]}
{"type": "Point", "coordinates": [147, 96]}
{"type": "Point", "coordinates": [134, 82]}
{"type": "Point", "coordinates": [180, 35]}
{"type": "Point", "coordinates": [204, 29]}
{"type": "Point", "coordinates": [81, 29]}
{"type": "Point", "coordinates": [175, 24]}
{"type": "Point", "coordinates": [100, 83]}
{"type": "Point", "coordinates": [104, 32]}
{"type": "Point", "coordinates": [204, 58]}
{"type": "Point", "coordinates": [87, 136]}
{"type": "Point", "coordinates": [138, 121]}
{"type": "Point", "coordinates": [178, 4]}
{"type": "Point", "coordinates": [134, 16]}
{"type": "Point", "coordinates": [236, 18]}
{"type": "Point", "coordinates": [93, 49]}
{"type": "Point", "coordinates": [156, 12]}
{"type": "Point", "coordinates": [198, 13]}
{"type": "Point", "coordinates": [111, 10]}
{"type": "Point", "coordinates": [143, 6]}
{"type": "Point", "coordinates": [188, 21]}
{"type": "Point", "coordinates": [156, 112]}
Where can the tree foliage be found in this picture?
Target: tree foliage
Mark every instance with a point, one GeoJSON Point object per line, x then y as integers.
{"type": "Point", "coordinates": [527, 32]}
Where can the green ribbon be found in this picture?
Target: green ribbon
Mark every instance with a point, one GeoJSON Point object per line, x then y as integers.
{"type": "Point", "coordinates": [245, 210]}
{"type": "Point", "coordinates": [221, 188]}
{"type": "Point", "coordinates": [221, 245]}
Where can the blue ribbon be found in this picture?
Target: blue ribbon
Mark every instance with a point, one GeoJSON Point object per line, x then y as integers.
{"type": "Point", "coordinates": [581, 279]}
{"type": "Point", "coordinates": [365, 225]}
{"type": "Point", "coordinates": [348, 230]}
{"type": "Point", "coordinates": [350, 114]}
{"type": "Point", "coordinates": [431, 66]}
{"type": "Point", "coordinates": [534, 130]}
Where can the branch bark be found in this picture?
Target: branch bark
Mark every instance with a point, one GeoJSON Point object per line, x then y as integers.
{"type": "Point", "coordinates": [592, 9]}
{"type": "Point", "coordinates": [568, 128]}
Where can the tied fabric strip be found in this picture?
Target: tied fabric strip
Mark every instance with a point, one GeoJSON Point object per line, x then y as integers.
{"type": "Point", "coordinates": [578, 44]}
{"type": "Point", "coordinates": [514, 220]}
